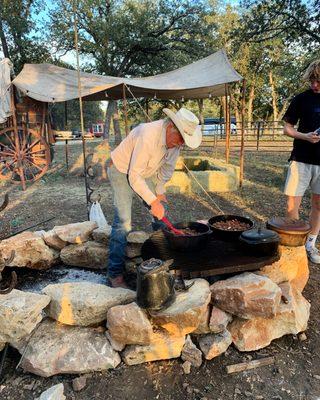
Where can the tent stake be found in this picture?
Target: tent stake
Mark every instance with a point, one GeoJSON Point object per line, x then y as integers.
{"type": "Point", "coordinates": [125, 110]}
{"type": "Point", "coordinates": [243, 105]}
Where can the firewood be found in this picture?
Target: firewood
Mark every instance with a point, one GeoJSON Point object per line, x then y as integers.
{"type": "Point", "coordinates": [250, 365]}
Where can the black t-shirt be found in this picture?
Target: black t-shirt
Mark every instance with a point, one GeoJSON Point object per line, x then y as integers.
{"type": "Point", "coordinates": [305, 108]}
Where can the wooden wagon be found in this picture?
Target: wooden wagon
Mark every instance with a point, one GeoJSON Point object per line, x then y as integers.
{"type": "Point", "coordinates": [25, 142]}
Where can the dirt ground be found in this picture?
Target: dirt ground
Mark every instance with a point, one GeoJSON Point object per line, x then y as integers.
{"type": "Point", "coordinates": [61, 195]}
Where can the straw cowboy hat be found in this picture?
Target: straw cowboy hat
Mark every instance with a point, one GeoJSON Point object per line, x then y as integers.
{"type": "Point", "coordinates": [188, 125]}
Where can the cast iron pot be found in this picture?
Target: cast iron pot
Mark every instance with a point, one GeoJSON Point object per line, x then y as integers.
{"type": "Point", "coordinates": [260, 242]}
{"type": "Point", "coordinates": [188, 242]}
{"type": "Point", "coordinates": [228, 235]}
{"type": "Point", "coordinates": [292, 232]}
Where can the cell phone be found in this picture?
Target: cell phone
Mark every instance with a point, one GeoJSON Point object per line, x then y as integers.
{"type": "Point", "coordinates": [318, 131]}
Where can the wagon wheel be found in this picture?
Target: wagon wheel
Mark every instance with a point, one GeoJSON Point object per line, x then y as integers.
{"type": "Point", "coordinates": [24, 157]}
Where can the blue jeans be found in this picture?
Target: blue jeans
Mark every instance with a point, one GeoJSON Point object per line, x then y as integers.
{"type": "Point", "coordinates": [121, 226]}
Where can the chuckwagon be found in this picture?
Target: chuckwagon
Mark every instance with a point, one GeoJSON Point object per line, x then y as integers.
{"type": "Point", "coordinates": [25, 138]}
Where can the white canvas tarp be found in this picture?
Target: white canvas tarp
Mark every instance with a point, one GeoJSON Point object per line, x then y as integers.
{"type": "Point", "coordinates": [201, 79]}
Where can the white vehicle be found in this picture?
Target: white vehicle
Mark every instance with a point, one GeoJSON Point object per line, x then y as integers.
{"type": "Point", "coordinates": [213, 126]}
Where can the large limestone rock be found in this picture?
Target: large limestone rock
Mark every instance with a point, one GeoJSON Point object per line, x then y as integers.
{"type": "Point", "coordinates": [203, 326]}
{"type": "Point", "coordinates": [162, 347]}
{"type": "Point", "coordinates": [219, 320]}
{"type": "Point", "coordinates": [53, 240]}
{"type": "Point", "coordinates": [247, 295]}
{"type": "Point", "coordinates": [129, 324]}
{"type": "Point", "coordinates": [213, 345]}
{"type": "Point", "coordinates": [30, 251]}
{"type": "Point", "coordinates": [20, 312]}
{"type": "Point", "coordinates": [187, 311]}
{"type": "Point", "coordinates": [88, 255]}
{"type": "Point", "coordinates": [292, 318]}
{"type": "Point", "coordinates": [102, 235]}
{"type": "Point", "coordinates": [291, 267]}
{"type": "Point", "coordinates": [137, 237]}
{"type": "Point", "coordinates": [77, 233]}
{"type": "Point", "coordinates": [191, 353]}
{"type": "Point", "coordinates": [84, 303]}
{"type": "Point", "coordinates": [60, 349]}
{"type": "Point", "coordinates": [53, 393]}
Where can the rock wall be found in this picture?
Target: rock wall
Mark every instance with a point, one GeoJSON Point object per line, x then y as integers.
{"type": "Point", "coordinates": [80, 327]}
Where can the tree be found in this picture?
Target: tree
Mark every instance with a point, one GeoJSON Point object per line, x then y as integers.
{"type": "Point", "coordinates": [67, 116]}
{"type": "Point", "coordinates": [133, 37]}
{"type": "Point", "coordinates": [16, 27]}
{"type": "Point", "coordinates": [292, 19]}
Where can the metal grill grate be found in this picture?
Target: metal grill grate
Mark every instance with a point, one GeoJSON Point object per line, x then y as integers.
{"type": "Point", "coordinates": [216, 258]}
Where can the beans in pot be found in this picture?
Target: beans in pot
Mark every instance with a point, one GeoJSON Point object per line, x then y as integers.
{"type": "Point", "coordinates": [231, 225]}
{"type": "Point", "coordinates": [189, 232]}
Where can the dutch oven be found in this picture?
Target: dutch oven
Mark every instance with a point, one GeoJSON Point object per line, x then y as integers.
{"type": "Point", "coordinates": [260, 242]}
{"type": "Point", "coordinates": [292, 232]}
{"type": "Point", "coordinates": [188, 242]}
{"type": "Point", "coordinates": [228, 234]}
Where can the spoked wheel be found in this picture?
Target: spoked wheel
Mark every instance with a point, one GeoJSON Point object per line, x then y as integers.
{"type": "Point", "coordinates": [24, 155]}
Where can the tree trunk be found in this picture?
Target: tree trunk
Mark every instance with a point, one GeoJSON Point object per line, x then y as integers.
{"type": "Point", "coordinates": [4, 41]}
{"type": "Point", "coordinates": [250, 106]}
{"type": "Point", "coordinates": [116, 125]}
{"type": "Point", "coordinates": [274, 98]}
{"type": "Point", "coordinates": [107, 121]}
{"type": "Point", "coordinates": [200, 105]}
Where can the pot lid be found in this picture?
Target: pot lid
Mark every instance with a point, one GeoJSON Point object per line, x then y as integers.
{"type": "Point", "coordinates": [255, 236]}
{"type": "Point", "coordinates": [289, 225]}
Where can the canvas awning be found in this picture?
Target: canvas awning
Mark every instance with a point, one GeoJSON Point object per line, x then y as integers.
{"type": "Point", "coordinates": [204, 78]}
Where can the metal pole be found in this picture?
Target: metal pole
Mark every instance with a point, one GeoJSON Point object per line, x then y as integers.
{"type": "Point", "coordinates": [81, 110]}
{"type": "Point", "coordinates": [227, 124]}
{"type": "Point", "coordinates": [125, 109]}
{"type": "Point", "coordinates": [243, 106]}
{"type": "Point", "coordinates": [67, 154]}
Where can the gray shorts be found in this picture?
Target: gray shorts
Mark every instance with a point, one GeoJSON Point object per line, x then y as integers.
{"type": "Point", "coordinates": [300, 176]}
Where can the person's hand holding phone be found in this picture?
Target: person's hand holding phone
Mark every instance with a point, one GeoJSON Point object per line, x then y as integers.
{"type": "Point", "coordinates": [312, 137]}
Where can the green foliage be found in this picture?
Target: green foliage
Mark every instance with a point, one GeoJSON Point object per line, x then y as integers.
{"type": "Point", "coordinates": [18, 35]}
{"type": "Point", "coordinates": [92, 113]}
{"type": "Point", "coordinates": [134, 37]}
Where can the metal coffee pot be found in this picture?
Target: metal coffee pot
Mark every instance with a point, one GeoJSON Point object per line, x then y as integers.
{"type": "Point", "coordinates": [155, 284]}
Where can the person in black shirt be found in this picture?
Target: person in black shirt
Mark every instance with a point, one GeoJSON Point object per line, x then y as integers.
{"type": "Point", "coordinates": [304, 168]}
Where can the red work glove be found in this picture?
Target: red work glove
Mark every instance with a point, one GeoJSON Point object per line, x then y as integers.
{"type": "Point", "coordinates": [157, 209]}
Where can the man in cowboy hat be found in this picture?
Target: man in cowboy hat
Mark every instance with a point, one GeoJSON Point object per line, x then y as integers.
{"type": "Point", "coordinates": [142, 163]}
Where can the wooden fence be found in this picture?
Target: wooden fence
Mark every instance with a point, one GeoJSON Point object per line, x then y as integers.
{"type": "Point", "coordinates": [258, 136]}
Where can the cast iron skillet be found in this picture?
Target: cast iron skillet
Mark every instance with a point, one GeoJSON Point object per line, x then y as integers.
{"type": "Point", "coordinates": [188, 242]}
{"type": "Point", "coordinates": [223, 234]}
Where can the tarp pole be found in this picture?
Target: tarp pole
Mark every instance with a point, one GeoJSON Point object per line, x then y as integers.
{"type": "Point", "coordinates": [125, 109]}
{"type": "Point", "coordinates": [227, 123]}
{"type": "Point", "coordinates": [81, 112]}
{"type": "Point", "coordinates": [243, 105]}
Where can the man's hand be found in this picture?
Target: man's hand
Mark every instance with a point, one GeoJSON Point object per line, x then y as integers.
{"type": "Point", "coordinates": [157, 209]}
{"type": "Point", "coordinates": [162, 197]}
{"type": "Point", "coordinates": [312, 137]}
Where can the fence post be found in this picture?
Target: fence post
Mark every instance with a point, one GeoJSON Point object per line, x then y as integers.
{"type": "Point", "coordinates": [258, 135]}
